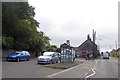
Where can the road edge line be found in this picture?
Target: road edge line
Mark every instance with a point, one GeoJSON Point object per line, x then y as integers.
{"type": "Point", "coordinates": [50, 76]}
{"type": "Point", "coordinates": [91, 74]}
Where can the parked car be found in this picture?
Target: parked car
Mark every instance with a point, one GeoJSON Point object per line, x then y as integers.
{"type": "Point", "coordinates": [48, 57]}
{"type": "Point", "coordinates": [18, 55]}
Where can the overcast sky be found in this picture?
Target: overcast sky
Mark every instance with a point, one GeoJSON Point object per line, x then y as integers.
{"type": "Point", "coordinates": [73, 20]}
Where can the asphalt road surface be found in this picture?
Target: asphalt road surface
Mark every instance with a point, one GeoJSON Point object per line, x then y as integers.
{"type": "Point", "coordinates": [25, 69]}
{"type": "Point", "coordinates": [106, 69]}
{"type": "Point", "coordinates": [101, 68]}
{"type": "Point", "coordinates": [78, 71]}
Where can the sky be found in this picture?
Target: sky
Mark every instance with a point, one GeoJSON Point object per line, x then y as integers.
{"type": "Point", "coordinates": [73, 20]}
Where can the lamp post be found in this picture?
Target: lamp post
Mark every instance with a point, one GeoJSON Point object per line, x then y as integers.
{"type": "Point", "coordinates": [94, 38]}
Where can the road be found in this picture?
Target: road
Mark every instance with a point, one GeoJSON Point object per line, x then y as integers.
{"type": "Point", "coordinates": [99, 68]}
{"type": "Point", "coordinates": [25, 69]}
{"type": "Point", "coordinates": [91, 69]}
{"type": "Point", "coordinates": [106, 69]}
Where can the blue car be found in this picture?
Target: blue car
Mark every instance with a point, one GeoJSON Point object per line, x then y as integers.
{"type": "Point", "coordinates": [18, 55]}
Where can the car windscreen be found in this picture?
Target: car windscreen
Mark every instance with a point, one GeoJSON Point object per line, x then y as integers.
{"type": "Point", "coordinates": [16, 53]}
{"type": "Point", "coordinates": [47, 55]}
{"type": "Point", "coordinates": [13, 53]}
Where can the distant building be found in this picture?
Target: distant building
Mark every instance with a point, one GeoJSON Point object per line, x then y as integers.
{"type": "Point", "coordinates": [87, 46]}
{"type": "Point", "coordinates": [115, 53]}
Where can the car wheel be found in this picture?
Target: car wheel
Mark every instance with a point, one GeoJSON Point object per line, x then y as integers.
{"type": "Point", "coordinates": [27, 59]}
{"type": "Point", "coordinates": [74, 59]}
{"type": "Point", "coordinates": [57, 61]}
{"type": "Point", "coordinates": [18, 59]}
{"type": "Point", "coordinates": [6, 59]}
{"type": "Point", "coordinates": [38, 63]}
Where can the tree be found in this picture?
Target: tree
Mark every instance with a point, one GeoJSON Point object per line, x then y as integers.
{"type": "Point", "coordinates": [20, 28]}
{"type": "Point", "coordinates": [53, 48]}
{"type": "Point", "coordinates": [17, 22]}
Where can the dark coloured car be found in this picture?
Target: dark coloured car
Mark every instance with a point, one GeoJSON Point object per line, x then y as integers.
{"type": "Point", "coordinates": [18, 55]}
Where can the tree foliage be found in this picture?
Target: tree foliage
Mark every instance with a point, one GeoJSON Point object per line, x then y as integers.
{"type": "Point", "coordinates": [20, 28]}
{"type": "Point", "coordinates": [53, 48]}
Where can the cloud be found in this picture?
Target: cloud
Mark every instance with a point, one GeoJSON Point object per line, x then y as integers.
{"type": "Point", "coordinates": [74, 19]}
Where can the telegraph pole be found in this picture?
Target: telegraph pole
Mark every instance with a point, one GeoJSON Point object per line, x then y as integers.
{"type": "Point", "coordinates": [94, 37]}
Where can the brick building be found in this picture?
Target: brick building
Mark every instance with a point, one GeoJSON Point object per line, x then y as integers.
{"type": "Point", "coordinates": [87, 46]}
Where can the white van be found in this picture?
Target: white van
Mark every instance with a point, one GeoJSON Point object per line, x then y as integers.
{"type": "Point", "coordinates": [105, 55]}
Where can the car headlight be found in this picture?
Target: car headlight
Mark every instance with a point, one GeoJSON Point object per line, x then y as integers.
{"type": "Point", "coordinates": [39, 58]}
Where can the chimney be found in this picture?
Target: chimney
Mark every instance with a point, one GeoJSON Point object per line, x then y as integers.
{"type": "Point", "coordinates": [88, 37]}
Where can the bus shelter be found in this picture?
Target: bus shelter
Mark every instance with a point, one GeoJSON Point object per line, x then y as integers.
{"type": "Point", "coordinates": [67, 53]}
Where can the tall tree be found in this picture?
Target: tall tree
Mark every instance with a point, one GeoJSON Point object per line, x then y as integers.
{"type": "Point", "coordinates": [20, 28]}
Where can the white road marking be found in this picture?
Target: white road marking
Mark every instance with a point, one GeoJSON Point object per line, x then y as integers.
{"type": "Point", "coordinates": [86, 74]}
{"type": "Point", "coordinates": [94, 67]}
{"type": "Point", "coordinates": [50, 76]}
{"type": "Point", "coordinates": [97, 61]}
{"type": "Point", "coordinates": [91, 74]}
